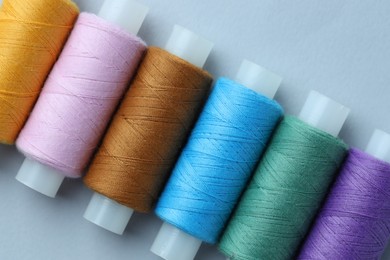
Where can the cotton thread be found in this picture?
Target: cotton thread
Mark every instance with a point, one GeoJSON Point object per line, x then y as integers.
{"type": "Point", "coordinates": [32, 34]}
{"type": "Point", "coordinates": [287, 189]}
{"type": "Point", "coordinates": [80, 95]}
{"type": "Point", "coordinates": [223, 149]}
{"type": "Point", "coordinates": [147, 133]}
{"type": "Point", "coordinates": [354, 223]}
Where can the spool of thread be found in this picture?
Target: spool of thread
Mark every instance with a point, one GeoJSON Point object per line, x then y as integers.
{"type": "Point", "coordinates": [354, 222]}
{"type": "Point", "coordinates": [80, 96]}
{"type": "Point", "coordinates": [291, 181]}
{"type": "Point", "coordinates": [146, 135]}
{"type": "Point", "coordinates": [217, 162]}
{"type": "Point", "coordinates": [32, 34]}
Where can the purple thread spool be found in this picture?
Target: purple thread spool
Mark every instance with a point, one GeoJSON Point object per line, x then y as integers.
{"type": "Point", "coordinates": [354, 222]}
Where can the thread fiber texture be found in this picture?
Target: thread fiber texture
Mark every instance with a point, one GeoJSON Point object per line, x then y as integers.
{"type": "Point", "coordinates": [32, 34]}
{"type": "Point", "coordinates": [285, 193]}
{"type": "Point", "coordinates": [220, 156]}
{"type": "Point", "coordinates": [80, 95]}
{"type": "Point", "coordinates": [147, 133]}
{"type": "Point", "coordinates": [354, 223]}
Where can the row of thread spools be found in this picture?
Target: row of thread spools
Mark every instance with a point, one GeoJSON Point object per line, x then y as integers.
{"type": "Point", "coordinates": [222, 167]}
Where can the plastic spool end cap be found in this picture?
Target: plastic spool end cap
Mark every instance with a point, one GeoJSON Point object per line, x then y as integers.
{"type": "Point", "coordinates": [173, 244]}
{"type": "Point", "coordinates": [324, 113]}
{"type": "Point", "coordinates": [108, 213]}
{"type": "Point", "coordinates": [40, 177]}
{"type": "Point", "coordinates": [258, 79]}
{"type": "Point", "coordinates": [189, 46]}
{"type": "Point", "coordinates": [128, 14]}
{"type": "Point", "coordinates": [379, 145]}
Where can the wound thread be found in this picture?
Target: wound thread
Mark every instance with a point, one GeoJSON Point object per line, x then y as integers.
{"type": "Point", "coordinates": [354, 222]}
{"type": "Point", "coordinates": [148, 131]}
{"type": "Point", "coordinates": [285, 193]}
{"type": "Point", "coordinates": [80, 95]}
{"type": "Point", "coordinates": [219, 158]}
{"type": "Point", "coordinates": [32, 34]}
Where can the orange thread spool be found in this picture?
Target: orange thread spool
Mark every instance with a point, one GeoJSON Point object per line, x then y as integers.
{"type": "Point", "coordinates": [148, 131]}
{"type": "Point", "coordinates": [32, 34]}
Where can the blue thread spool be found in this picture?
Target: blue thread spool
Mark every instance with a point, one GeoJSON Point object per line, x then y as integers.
{"type": "Point", "coordinates": [217, 161]}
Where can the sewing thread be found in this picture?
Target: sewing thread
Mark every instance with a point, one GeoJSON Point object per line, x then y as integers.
{"type": "Point", "coordinates": [219, 158]}
{"type": "Point", "coordinates": [32, 34]}
{"type": "Point", "coordinates": [354, 222]}
{"type": "Point", "coordinates": [80, 95]}
{"type": "Point", "coordinates": [148, 131]}
{"type": "Point", "coordinates": [285, 193]}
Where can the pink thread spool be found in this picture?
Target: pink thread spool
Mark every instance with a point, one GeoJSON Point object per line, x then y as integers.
{"type": "Point", "coordinates": [80, 95]}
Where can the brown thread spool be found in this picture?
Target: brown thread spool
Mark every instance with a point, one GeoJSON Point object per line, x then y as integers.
{"type": "Point", "coordinates": [32, 34]}
{"type": "Point", "coordinates": [147, 133]}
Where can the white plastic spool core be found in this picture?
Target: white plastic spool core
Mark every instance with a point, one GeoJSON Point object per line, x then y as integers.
{"type": "Point", "coordinates": [258, 79]}
{"type": "Point", "coordinates": [128, 14]}
{"type": "Point", "coordinates": [40, 177]}
{"type": "Point", "coordinates": [324, 113]}
{"type": "Point", "coordinates": [379, 145]}
{"type": "Point", "coordinates": [90, 6]}
{"type": "Point", "coordinates": [108, 213]}
{"type": "Point", "coordinates": [189, 46]}
{"type": "Point", "coordinates": [173, 244]}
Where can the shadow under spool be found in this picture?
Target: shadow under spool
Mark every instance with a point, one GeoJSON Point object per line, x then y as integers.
{"type": "Point", "coordinates": [148, 131]}
{"type": "Point", "coordinates": [32, 34]}
{"type": "Point", "coordinates": [282, 199]}
{"type": "Point", "coordinates": [354, 222]}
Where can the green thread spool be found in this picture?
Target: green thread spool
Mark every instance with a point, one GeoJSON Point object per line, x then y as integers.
{"type": "Point", "coordinates": [288, 187]}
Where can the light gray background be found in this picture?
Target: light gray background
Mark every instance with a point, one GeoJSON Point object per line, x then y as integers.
{"type": "Point", "coordinates": [340, 48]}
